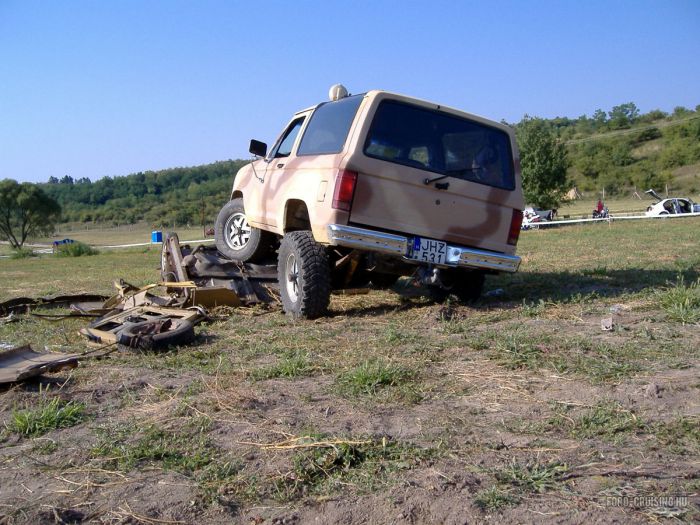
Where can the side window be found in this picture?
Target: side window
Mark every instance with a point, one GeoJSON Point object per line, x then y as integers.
{"type": "Point", "coordinates": [329, 127]}
{"type": "Point", "coordinates": [284, 146]}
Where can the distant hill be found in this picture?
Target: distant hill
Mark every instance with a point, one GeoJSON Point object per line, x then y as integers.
{"type": "Point", "coordinates": [622, 150]}
{"type": "Point", "coordinates": [616, 150]}
{"type": "Point", "coordinates": [164, 198]}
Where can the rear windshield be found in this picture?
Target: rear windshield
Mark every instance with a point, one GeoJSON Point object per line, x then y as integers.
{"type": "Point", "coordinates": [329, 127]}
{"type": "Point", "coordinates": [442, 143]}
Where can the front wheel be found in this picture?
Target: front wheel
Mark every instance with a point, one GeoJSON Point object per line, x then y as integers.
{"type": "Point", "coordinates": [304, 276]}
{"type": "Point", "coordinates": [238, 240]}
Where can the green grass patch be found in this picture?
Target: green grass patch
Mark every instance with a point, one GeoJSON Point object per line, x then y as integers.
{"type": "Point", "coordinates": [597, 361]}
{"type": "Point", "coordinates": [206, 358]}
{"type": "Point", "coordinates": [125, 448]}
{"type": "Point", "coordinates": [514, 351]}
{"type": "Point", "coordinates": [22, 253]}
{"type": "Point", "coordinates": [495, 498]}
{"type": "Point", "coordinates": [607, 420]}
{"type": "Point", "coordinates": [372, 376]}
{"type": "Point", "coordinates": [293, 364]}
{"type": "Point", "coordinates": [680, 436]}
{"type": "Point", "coordinates": [48, 415]}
{"type": "Point", "coordinates": [187, 450]}
{"type": "Point", "coordinates": [601, 362]}
{"type": "Point", "coordinates": [532, 477]}
{"type": "Point", "coordinates": [326, 464]}
{"type": "Point", "coordinates": [220, 480]}
{"type": "Point", "coordinates": [534, 309]}
{"type": "Point", "coordinates": [681, 302]}
{"type": "Point", "coordinates": [75, 249]}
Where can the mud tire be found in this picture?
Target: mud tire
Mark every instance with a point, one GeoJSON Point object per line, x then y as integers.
{"type": "Point", "coordinates": [230, 232]}
{"type": "Point", "coordinates": [137, 335]}
{"type": "Point", "coordinates": [304, 276]}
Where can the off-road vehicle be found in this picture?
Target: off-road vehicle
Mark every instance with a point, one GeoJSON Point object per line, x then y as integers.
{"type": "Point", "coordinates": [370, 187]}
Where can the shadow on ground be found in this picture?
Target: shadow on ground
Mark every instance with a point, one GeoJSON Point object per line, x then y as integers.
{"type": "Point", "coordinates": [571, 286]}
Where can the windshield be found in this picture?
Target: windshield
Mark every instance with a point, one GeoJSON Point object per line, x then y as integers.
{"type": "Point", "coordinates": [442, 143]}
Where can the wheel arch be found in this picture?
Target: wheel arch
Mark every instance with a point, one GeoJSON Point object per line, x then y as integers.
{"type": "Point", "coordinates": [296, 216]}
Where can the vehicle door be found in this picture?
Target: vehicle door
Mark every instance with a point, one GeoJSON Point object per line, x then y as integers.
{"type": "Point", "coordinates": [265, 193]}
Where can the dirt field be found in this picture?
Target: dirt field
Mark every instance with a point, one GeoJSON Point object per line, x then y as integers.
{"type": "Point", "coordinates": [394, 409]}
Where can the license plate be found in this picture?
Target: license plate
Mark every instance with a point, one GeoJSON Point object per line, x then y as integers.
{"type": "Point", "coordinates": [429, 251]}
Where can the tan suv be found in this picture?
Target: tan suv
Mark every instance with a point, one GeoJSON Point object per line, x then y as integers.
{"type": "Point", "coordinates": [369, 187]}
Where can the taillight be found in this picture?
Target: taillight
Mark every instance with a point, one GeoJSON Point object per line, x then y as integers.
{"type": "Point", "coordinates": [344, 190]}
{"type": "Point", "coordinates": [515, 223]}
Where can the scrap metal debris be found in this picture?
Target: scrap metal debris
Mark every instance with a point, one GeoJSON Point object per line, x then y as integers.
{"type": "Point", "coordinates": [145, 327]}
{"type": "Point", "coordinates": [12, 318]}
{"type": "Point", "coordinates": [80, 302]}
{"type": "Point", "coordinates": [20, 363]}
{"type": "Point", "coordinates": [201, 276]}
{"type": "Point", "coordinates": [141, 318]}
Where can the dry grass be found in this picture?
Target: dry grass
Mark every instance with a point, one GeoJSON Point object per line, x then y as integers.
{"type": "Point", "coordinates": [390, 406]}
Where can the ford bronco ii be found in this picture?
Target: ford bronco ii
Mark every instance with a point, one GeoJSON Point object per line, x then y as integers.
{"type": "Point", "coordinates": [370, 187]}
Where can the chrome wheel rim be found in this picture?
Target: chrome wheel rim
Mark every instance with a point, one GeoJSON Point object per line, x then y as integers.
{"type": "Point", "coordinates": [237, 231]}
{"type": "Point", "coordinates": [292, 281]}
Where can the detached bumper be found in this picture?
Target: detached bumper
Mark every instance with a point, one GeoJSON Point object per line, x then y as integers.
{"type": "Point", "coordinates": [398, 245]}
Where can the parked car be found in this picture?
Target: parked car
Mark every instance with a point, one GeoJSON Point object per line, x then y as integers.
{"type": "Point", "coordinates": [370, 187]}
{"type": "Point", "coordinates": [531, 219]}
{"type": "Point", "coordinates": [547, 215]}
{"type": "Point", "coordinates": [670, 206]}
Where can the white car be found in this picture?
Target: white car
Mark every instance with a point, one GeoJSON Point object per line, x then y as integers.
{"type": "Point", "coordinates": [531, 219]}
{"type": "Point", "coordinates": [546, 215]}
{"type": "Point", "coordinates": [672, 206]}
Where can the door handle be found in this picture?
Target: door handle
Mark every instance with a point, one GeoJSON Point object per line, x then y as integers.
{"type": "Point", "coordinates": [280, 165]}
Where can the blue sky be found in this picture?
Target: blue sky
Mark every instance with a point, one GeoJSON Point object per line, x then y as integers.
{"type": "Point", "coordinates": [96, 88]}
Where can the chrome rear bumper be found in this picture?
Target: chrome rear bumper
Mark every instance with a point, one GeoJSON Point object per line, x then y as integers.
{"type": "Point", "coordinates": [398, 245]}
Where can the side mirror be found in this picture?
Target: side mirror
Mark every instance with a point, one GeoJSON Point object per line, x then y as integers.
{"type": "Point", "coordinates": [258, 148]}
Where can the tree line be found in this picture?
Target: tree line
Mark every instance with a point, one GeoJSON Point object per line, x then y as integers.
{"type": "Point", "coordinates": [624, 149]}
{"type": "Point", "coordinates": [163, 198]}
{"type": "Point", "coordinates": [615, 150]}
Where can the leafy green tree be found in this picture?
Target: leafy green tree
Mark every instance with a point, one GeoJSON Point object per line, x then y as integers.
{"type": "Point", "coordinates": [544, 163]}
{"type": "Point", "coordinates": [25, 210]}
{"type": "Point", "coordinates": [600, 119]}
{"type": "Point", "coordinates": [681, 111]}
{"type": "Point", "coordinates": [623, 116]}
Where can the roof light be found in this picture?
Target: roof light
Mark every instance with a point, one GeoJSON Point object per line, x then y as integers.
{"type": "Point", "coordinates": [337, 92]}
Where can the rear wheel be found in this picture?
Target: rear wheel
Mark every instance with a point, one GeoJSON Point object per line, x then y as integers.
{"type": "Point", "coordinates": [238, 240]}
{"type": "Point", "coordinates": [304, 276]}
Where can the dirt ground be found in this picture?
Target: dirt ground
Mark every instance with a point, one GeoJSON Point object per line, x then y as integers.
{"type": "Point", "coordinates": [569, 394]}
{"type": "Point", "coordinates": [216, 434]}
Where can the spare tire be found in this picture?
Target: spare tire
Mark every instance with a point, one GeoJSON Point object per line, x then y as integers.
{"type": "Point", "coordinates": [155, 334]}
